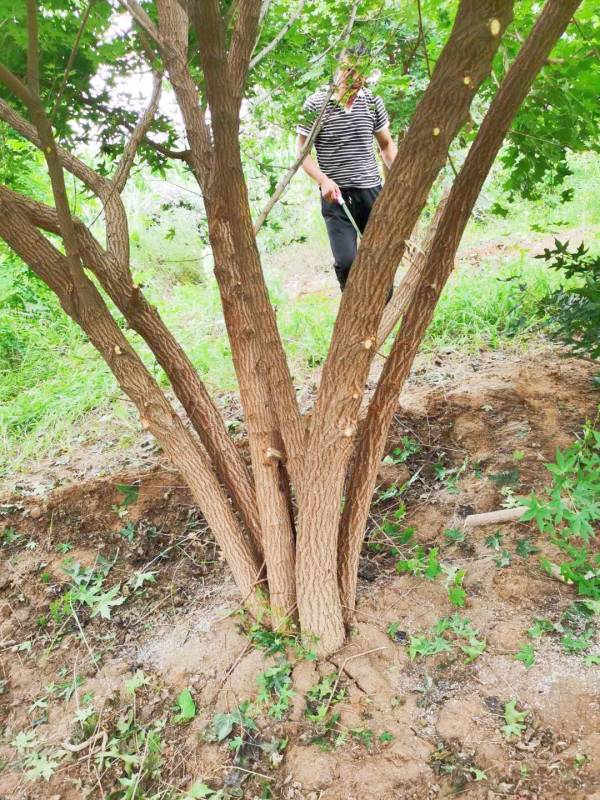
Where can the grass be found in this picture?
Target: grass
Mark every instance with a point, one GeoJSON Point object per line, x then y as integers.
{"type": "Point", "coordinates": [51, 379]}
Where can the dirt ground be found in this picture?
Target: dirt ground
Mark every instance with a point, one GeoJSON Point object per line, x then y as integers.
{"type": "Point", "coordinates": [398, 728]}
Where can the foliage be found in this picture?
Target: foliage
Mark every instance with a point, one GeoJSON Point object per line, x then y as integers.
{"type": "Point", "coordinates": [514, 720]}
{"type": "Point", "coordinates": [568, 512]}
{"type": "Point", "coordinates": [275, 689]}
{"type": "Point", "coordinates": [572, 313]}
{"type": "Point", "coordinates": [445, 633]}
{"type": "Point", "coordinates": [87, 590]}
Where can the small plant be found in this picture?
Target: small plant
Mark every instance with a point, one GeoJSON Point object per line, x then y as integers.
{"type": "Point", "coordinates": [514, 720]}
{"type": "Point", "coordinates": [456, 594]}
{"type": "Point", "coordinates": [187, 708]}
{"type": "Point", "coordinates": [10, 536]}
{"type": "Point", "coordinates": [572, 313]}
{"type": "Point", "coordinates": [87, 590]}
{"type": "Point", "coordinates": [322, 696]}
{"type": "Point", "coordinates": [408, 447]}
{"type": "Point", "coordinates": [494, 542]}
{"type": "Point", "coordinates": [128, 531]}
{"type": "Point", "coordinates": [569, 511]}
{"type": "Point", "coordinates": [526, 654]}
{"type": "Point", "coordinates": [455, 535]}
{"type": "Point", "coordinates": [539, 628]}
{"type": "Point", "coordinates": [423, 564]}
{"type": "Point", "coordinates": [427, 646]}
{"type": "Point", "coordinates": [503, 559]}
{"type": "Point", "coordinates": [275, 689]}
{"type": "Point", "coordinates": [525, 548]}
{"type": "Point", "coordinates": [237, 721]}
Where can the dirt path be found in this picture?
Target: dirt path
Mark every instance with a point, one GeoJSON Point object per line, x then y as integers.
{"type": "Point", "coordinates": [396, 727]}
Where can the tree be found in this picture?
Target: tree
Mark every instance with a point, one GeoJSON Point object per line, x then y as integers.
{"type": "Point", "coordinates": [292, 528]}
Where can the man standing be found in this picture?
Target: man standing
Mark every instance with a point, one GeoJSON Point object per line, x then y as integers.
{"type": "Point", "coordinates": [346, 167]}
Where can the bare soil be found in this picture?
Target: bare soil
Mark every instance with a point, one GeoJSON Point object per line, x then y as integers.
{"type": "Point", "coordinates": [422, 728]}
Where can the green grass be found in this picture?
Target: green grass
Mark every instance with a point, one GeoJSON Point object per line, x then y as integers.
{"type": "Point", "coordinates": [54, 386]}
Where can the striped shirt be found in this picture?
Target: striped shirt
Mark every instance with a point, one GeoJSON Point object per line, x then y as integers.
{"type": "Point", "coordinates": [344, 143]}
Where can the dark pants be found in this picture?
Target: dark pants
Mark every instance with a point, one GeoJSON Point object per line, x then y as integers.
{"type": "Point", "coordinates": [342, 235]}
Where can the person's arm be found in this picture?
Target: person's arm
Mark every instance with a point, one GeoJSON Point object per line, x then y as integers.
{"type": "Point", "coordinates": [387, 146]}
{"type": "Point", "coordinates": [329, 189]}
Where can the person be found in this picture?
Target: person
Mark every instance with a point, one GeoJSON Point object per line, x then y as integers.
{"type": "Point", "coordinates": [346, 166]}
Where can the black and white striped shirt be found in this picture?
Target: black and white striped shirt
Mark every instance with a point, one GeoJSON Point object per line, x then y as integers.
{"type": "Point", "coordinates": [344, 143]}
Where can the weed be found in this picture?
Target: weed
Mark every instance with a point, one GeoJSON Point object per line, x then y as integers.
{"type": "Point", "coordinates": [525, 548]}
{"type": "Point", "coordinates": [455, 535]}
{"type": "Point", "coordinates": [503, 559]}
{"type": "Point", "coordinates": [322, 696]}
{"type": "Point", "coordinates": [568, 512]}
{"type": "Point", "coordinates": [456, 594]}
{"type": "Point", "coordinates": [238, 721]}
{"type": "Point", "coordinates": [539, 628]}
{"type": "Point", "coordinates": [425, 564]}
{"type": "Point", "coordinates": [514, 720]}
{"type": "Point", "coordinates": [10, 536]}
{"type": "Point", "coordinates": [275, 689]}
{"type": "Point", "coordinates": [128, 531]}
{"type": "Point", "coordinates": [494, 541]}
{"type": "Point", "coordinates": [526, 654]}
{"type": "Point", "coordinates": [400, 455]}
{"type": "Point", "coordinates": [187, 708]}
{"type": "Point", "coordinates": [86, 590]}
{"type": "Point", "coordinates": [439, 640]}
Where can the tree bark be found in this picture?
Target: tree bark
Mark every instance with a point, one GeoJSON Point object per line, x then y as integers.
{"type": "Point", "coordinates": [462, 66]}
{"type": "Point", "coordinates": [551, 24]}
{"type": "Point", "coordinates": [144, 318]}
{"type": "Point", "coordinates": [266, 389]}
{"type": "Point", "coordinates": [133, 377]}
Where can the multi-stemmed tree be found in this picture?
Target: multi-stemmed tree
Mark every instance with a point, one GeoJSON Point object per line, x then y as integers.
{"type": "Point", "coordinates": [291, 527]}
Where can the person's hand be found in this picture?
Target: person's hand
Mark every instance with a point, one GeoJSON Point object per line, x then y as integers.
{"type": "Point", "coordinates": [330, 190]}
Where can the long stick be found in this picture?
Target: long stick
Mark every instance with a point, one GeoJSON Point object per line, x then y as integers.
{"type": "Point", "coordinates": [283, 183]}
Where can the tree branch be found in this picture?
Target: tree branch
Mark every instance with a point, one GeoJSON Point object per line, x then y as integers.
{"type": "Point", "coordinates": [439, 263]}
{"type": "Point", "coordinates": [33, 57]}
{"type": "Point", "coordinates": [133, 377]}
{"type": "Point", "coordinates": [138, 134]}
{"type": "Point", "coordinates": [275, 41]}
{"type": "Point", "coordinates": [71, 60]}
{"type": "Point", "coordinates": [145, 22]}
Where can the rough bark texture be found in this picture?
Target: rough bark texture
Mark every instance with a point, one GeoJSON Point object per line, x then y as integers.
{"type": "Point", "coordinates": [438, 266]}
{"type": "Point", "coordinates": [321, 560]}
{"type": "Point", "coordinates": [266, 388]}
{"type": "Point", "coordinates": [133, 377]}
{"type": "Point", "coordinates": [462, 66]}
{"type": "Point", "coordinates": [144, 318]}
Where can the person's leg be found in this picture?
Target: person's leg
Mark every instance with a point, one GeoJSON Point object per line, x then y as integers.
{"type": "Point", "coordinates": [342, 238]}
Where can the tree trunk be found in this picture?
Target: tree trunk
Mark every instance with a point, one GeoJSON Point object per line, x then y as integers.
{"type": "Point", "coordinates": [133, 377]}
{"type": "Point", "coordinates": [438, 266]}
{"type": "Point", "coordinates": [462, 66]}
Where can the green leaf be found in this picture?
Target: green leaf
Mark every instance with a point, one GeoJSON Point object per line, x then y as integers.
{"type": "Point", "coordinates": [526, 654]}
{"type": "Point", "coordinates": [515, 720]}
{"type": "Point", "coordinates": [539, 628]}
{"type": "Point", "coordinates": [130, 493]}
{"type": "Point", "coordinates": [494, 542]}
{"type": "Point", "coordinates": [525, 548]}
{"type": "Point", "coordinates": [187, 707]}
{"type": "Point", "coordinates": [24, 740]}
{"type": "Point", "coordinates": [474, 649]}
{"type": "Point", "coordinates": [455, 535]}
